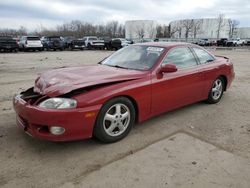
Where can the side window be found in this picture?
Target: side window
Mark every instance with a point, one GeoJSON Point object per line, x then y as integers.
{"type": "Point", "coordinates": [203, 56]}
{"type": "Point", "coordinates": [181, 57]}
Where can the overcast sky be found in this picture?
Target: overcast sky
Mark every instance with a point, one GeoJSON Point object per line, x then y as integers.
{"type": "Point", "coordinates": [49, 13]}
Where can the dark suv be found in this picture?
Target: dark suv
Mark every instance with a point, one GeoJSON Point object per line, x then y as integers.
{"type": "Point", "coordinates": [74, 43]}
{"type": "Point", "coordinates": [8, 44]}
{"type": "Point", "coordinates": [53, 43]}
{"type": "Point", "coordinates": [222, 42]}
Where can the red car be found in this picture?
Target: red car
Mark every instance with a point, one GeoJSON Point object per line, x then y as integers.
{"type": "Point", "coordinates": [133, 84]}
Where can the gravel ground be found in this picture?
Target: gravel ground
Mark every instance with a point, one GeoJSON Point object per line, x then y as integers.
{"type": "Point", "coordinates": [28, 162]}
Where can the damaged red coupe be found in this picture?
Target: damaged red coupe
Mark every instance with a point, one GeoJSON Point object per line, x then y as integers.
{"type": "Point", "coordinates": [133, 84]}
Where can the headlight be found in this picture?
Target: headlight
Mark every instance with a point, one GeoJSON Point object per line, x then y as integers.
{"type": "Point", "coordinates": [58, 103]}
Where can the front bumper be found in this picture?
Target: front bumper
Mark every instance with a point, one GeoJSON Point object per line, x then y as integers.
{"type": "Point", "coordinates": [8, 47]}
{"type": "Point", "coordinates": [78, 46]}
{"type": "Point", "coordinates": [29, 46]}
{"type": "Point", "coordinates": [78, 123]}
{"type": "Point", "coordinates": [97, 45]}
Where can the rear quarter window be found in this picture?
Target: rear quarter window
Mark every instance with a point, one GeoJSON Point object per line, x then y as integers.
{"type": "Point", "coordinates": [203, 56]}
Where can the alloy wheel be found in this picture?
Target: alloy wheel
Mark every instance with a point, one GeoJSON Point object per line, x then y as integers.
{"type": "Point", "coordinates": [217, 89]}
{"type": "Point", "coordinates": [116, 119]}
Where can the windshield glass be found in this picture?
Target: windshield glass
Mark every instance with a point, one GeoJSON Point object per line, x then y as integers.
{"type": "Point", "coordinates": [135, 57]}
{"type": "Point", "coordinates": [5, 39]}
{"type": "Point", "coordinates": [92, 38]}
{"type": "Point", "coordinates": [55, 38]}
{"type": "Point", "coordinates": [33, 38]}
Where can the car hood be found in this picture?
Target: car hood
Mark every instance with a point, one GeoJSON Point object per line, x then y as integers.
{"type": "Point", "coordinates": [61, 81]}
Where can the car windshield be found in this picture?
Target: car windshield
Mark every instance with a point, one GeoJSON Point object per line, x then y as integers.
{"type": "Point", "coordinates": [93, 38]}
{"type": "Point", "coordinates": [55, 38]}
{"type": "Point", "coordinates": [5, 38]}
{"type": "Point", "coordinates": [138, 57]}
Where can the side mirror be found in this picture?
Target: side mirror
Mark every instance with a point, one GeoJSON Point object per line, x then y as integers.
{"type": "Point", "coordinates": [168, 68]}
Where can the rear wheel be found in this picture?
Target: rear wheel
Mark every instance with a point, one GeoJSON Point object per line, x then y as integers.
{"type": "Point", "coordinates": [115, 120]}
{"type": "Point", "coordinates": [216, 91]}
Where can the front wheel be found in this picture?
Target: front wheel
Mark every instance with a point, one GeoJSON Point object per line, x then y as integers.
{"type": "Point", "coordinates": [216, 91]}
{"type": "Point", "coordinates": [115, 120]}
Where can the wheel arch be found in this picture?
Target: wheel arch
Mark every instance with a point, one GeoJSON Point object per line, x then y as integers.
{"type": "Point", "coordinates": [225, 81]}
{"type": "Point", "coordinates": [134, 102]}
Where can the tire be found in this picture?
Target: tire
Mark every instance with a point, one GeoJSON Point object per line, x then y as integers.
{"type": "Point", "coordinates": [110, 126]}
{"type": "Point", "coordinates": [216, 91]}
{"type": "Point", "coordinates": [89, 46]}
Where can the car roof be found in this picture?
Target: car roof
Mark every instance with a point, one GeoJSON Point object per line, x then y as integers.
{"type": "Point", "coordinates": [167, 44]}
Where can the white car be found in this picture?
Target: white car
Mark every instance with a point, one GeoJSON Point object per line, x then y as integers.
{"type": "Point", "coordinates": [236, 42]}
{"type": "Point", "coordinates": [93, 42]}
{"type": "Point", "coordinates": [30, 43]}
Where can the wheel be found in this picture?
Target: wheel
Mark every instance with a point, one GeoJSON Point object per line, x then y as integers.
{"type": "Point", "coordinates": [89, 46]}
{"type": "Point", "coordinates": [216, 91]}
{"type": "Point", "coordinates": [115, 120]}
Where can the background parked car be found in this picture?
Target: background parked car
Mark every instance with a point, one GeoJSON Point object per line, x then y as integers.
{"type": "Point", "coordinates": [92, 42]}
{"type": "Point", "coordinates": [107, 42]}
{"type": "Point", "coordinates": [222, 42]}
{"type": "Point", "coordinates": [30, 43]}
{"type": "Point", "coordinates": [248, 42]}
{"type": "Point", "coordinates": [74, 43]}
{"type": "Point", "coordinates": [118, 43]}
{"type": "Point", "coordinates": [204, 42]}
{"type": "Point", "coordinates": [53, 43]}
{"type": "Point", "coordinates": [236, 42]}
{"type": "Point", "coordinates": [7, 43]}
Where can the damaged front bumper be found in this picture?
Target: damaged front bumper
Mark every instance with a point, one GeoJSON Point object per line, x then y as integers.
{"type": "Point", "coordinates": [78, 123]}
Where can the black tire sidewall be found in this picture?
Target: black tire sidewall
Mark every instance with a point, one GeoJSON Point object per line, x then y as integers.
{"type": "Point", "coordinates": [99, 131]}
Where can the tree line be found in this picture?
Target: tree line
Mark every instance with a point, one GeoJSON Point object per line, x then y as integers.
{"type": "Point", "coordinates": [74, 28]}
{"type": "Point", "coordinates": [78, 29]}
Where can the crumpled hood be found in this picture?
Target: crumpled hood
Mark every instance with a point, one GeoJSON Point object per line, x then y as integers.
{"type": "Point", "coordinates": [61, 81]}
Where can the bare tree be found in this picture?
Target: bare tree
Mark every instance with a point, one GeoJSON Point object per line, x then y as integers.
{"type": "Point", "coordinates": [166, 31]}
{"type": "Point", "coordinates": [159, 31]}
{"type": "Point", "coordinates": [174, 29]}
{"type": "Point", "coordinates": [188, 26]}
{"type": "Point", "coordinates": [162, 31]}
{"type": "Point", "coordinates": [232, 27]}
{"type": "Point", "coordinates": [151, 28]}
{"type": "Point", "coordinates": [220, 24]}
{"type": "Point", "coordinates": [112, 26]}
{"type": "Point", "coordinates": [140, 30]}
{"type": "Point", "coordinates": [197, 28]}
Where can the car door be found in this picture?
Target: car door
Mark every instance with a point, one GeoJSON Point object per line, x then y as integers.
{"type": "Point", "coordinates": [172, 90]}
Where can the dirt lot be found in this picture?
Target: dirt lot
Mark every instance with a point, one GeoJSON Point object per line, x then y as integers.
{"type": "Point", "coordinates": [28, 162]}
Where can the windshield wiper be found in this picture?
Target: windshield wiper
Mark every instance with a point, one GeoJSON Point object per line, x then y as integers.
{"type": "Point", "coordinates": [117, 66]}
